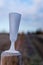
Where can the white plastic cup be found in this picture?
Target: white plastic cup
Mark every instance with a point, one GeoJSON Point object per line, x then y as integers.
{"type": "Point", "coordinates": [14, 21]}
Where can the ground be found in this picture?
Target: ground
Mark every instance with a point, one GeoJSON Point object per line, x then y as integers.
{"type": "Point", "coordinates": [29, 45]}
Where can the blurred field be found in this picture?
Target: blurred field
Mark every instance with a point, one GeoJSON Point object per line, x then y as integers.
{"type": "Point", "coordinates": [30, 46]}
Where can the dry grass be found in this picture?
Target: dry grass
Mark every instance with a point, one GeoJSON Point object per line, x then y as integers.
{"type": "Point", "coordinates": [24, 45]}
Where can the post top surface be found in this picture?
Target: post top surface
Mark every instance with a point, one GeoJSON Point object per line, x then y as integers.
{"type": "Point", "coordinates": [11, 53]}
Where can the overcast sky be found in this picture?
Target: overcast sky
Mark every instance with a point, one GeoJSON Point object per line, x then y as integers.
{"type": "Point", "coordinates": [31, 10]}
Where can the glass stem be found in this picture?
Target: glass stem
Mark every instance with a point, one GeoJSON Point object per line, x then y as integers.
{"type": "Point", "coordinates": [12, 47]}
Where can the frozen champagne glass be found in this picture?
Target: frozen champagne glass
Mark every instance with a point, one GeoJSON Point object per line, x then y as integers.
{"type": "Point", "coordinates": [12, 56]}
